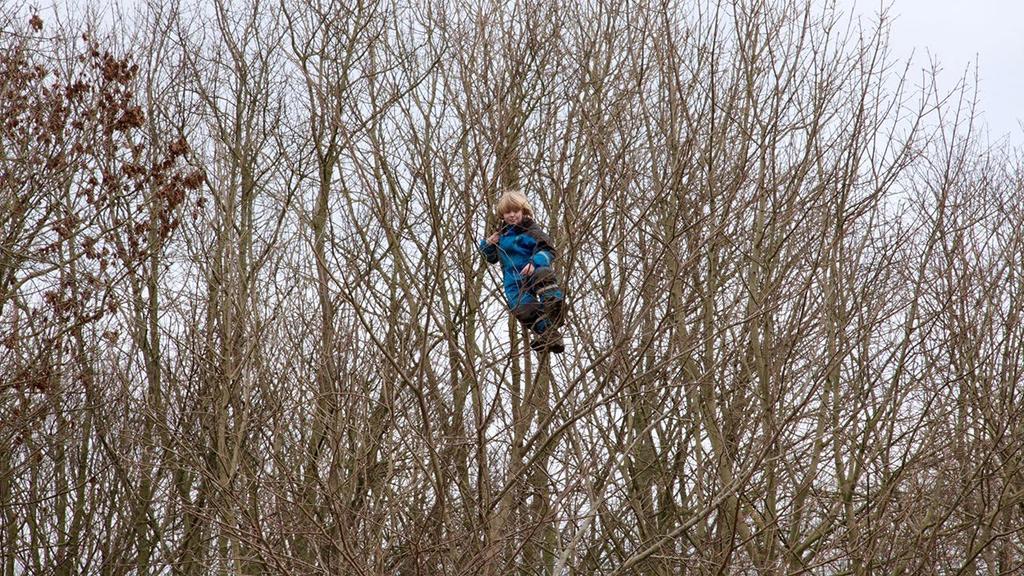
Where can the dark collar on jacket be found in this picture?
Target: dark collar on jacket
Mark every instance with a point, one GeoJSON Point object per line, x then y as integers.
{"type": "Point", "coordinates": [523, 226]}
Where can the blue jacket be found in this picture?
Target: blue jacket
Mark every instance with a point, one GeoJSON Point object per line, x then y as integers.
{"type": "Point", "coordinates": [518, 246]}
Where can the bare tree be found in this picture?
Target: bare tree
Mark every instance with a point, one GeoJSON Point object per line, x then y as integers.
{"type": "Point", "coordinates": [246, 329]}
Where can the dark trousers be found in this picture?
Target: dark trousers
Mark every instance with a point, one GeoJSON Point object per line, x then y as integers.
{"type": "Point", "coordinates": [540, 316]}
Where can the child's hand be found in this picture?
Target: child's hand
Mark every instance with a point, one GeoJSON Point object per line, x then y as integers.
{"type": "Point", "coordinates": [528, 269]}
{"type": "Point", "coordinates": [493, 238]}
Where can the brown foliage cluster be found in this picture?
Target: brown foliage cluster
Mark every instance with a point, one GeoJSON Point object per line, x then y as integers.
{"type": "Point", "coordinates": [87, 191]}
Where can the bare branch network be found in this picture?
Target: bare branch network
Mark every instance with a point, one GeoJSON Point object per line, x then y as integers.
{"type": "Point", "coordinates": [245, 329]}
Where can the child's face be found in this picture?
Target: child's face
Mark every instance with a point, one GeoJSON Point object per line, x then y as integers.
{"type": "Point", "coordinates": [512, 218]}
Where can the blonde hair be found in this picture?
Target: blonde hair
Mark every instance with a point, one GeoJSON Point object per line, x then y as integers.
{"type": "Point", "coordinates": [511, 201]}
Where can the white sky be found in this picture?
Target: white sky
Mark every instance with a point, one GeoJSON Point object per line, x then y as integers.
{"type": "Point", "coordinates": [958, 33]}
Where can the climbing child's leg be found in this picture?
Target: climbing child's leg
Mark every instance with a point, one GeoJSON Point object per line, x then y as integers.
{"type": "Point", "coordinates": [534, 316]}
{"type": "Point", "coordinates": [539, 307]}
{"type": "Point", "coordinates": [530, 314]}
{"type": "Point", "coordinates": [545, 289]}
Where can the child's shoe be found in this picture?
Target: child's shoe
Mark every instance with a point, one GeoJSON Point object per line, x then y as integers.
{"type": "Point", "coordinates": [548, 341]}
{"type": "Point", "coordinates": [557, 345]}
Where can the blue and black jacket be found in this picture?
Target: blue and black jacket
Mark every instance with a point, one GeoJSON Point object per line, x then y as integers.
{"type": "Point", "coordinates": [519, 245]}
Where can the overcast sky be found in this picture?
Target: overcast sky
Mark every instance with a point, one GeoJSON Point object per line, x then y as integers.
{"type": "Point", "coordinates": [958, 32]}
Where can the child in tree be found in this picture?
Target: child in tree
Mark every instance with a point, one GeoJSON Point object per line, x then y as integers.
{"type": "Point", "coordinates": [531, 287]}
